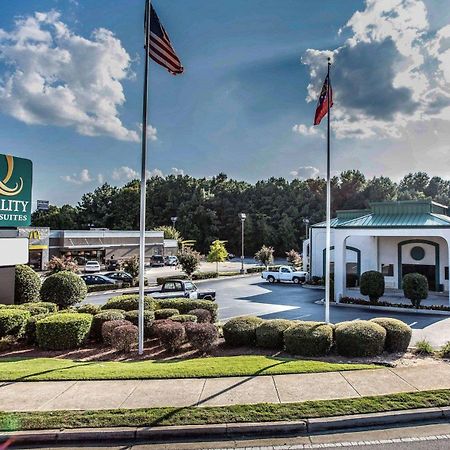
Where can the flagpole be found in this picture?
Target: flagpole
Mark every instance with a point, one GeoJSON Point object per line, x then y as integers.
{"type": "Point", "coordinates": [143, 185]}
{"type": "Point", "coordinates": [328, 212]}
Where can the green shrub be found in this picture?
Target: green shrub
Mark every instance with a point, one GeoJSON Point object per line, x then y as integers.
{"type": "Point", "coordinates": [149, 317]}
{"type": "Point", "coordinates": [171, 335]}
{"type": "Point", "coordinates": [398, 334]}
{"type": "Point", "coordinates": [13, 322]}
{"type": "Point", "coordinates": [89, 308]}
{"type": "Point", "coordinates": [162, 280]}
{"type": "Point", "coordinates": [63, 331]}
{"type": "Point", "coordinates": [49, 306]}
{"type": "Point", "coordinates": [359, 338]}
{"type": "Point", "coordinates": [182, 318]}
{"type": "Point", "coordinates": [444, 352]}
{"type": "Point", "coordinates": [270, 333]}
{"type": "Point", "coordinates": [161, 314]}
{"type": "Point", "coordinates": [27, 285]}
{"type": "Point", "coordinates": [30, 328]}
{"type": "Point", "coordinates": [34, 310]}
{"type": "Point", "coordinates": [415, 287]}
{"type": "Point", "coordinates": [204, 275]}
{"type": "Point", "coordinates": [108, 328]}
{"type": "Point", "coordinates": [241, 331]}
{"type": "Point", "coordinates": [100, 287]}
{"type": "Point", "coordinates": [309, 338]}
{"type": "Point", "coordinates": [129, 302]}
{"type": "Point", "coordinates": [101, 318]}
{"type": "Point", "coordinates": [423, 348]}
{"type": "Point", "coordinates": [124, 338]}
{"type": "Point", "coordinates": [201, 336]}
{"type": "Point", "coordinates": [372, 284]}
{"type": "Point", "coordinates": [185, 305]}
{"type": "Point", "coordinates": [203, 315]}
{"type": "Point", "coordinates": [63, 288]}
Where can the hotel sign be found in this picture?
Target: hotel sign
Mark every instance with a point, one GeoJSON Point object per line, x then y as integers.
{"type": "Point", "coordinates": [16, 176]}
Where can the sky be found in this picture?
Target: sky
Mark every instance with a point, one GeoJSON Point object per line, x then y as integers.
{"type": "Point", "coordinates": [71, 76]}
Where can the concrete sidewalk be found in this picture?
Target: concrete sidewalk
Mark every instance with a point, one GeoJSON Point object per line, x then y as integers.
{"type": "Point", "coordinates": [92, 395]}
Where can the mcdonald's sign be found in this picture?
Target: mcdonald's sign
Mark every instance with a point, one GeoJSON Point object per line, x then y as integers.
{"type": "Point", "coordinates": [38, 238]}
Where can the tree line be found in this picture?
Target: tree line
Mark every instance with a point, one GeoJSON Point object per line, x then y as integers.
{"type": "Point", "coordinates": [207, 208]}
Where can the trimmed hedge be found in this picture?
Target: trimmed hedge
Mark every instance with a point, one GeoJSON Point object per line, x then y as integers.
{"type": "Point", "coordinates": [30, 328]}
{"type": "Point", "coordinates": [101, 318]}
{"type": "Point", "coordinates": [27, 285]}
{"type": "Point", "coordinates": [171, 335]}
{"type": "Point", "coordinates": [241, 330]}
{"type": "Point", "coordinates": [124, 338]}
{"type": "Point", "coordinates": [415, 287]}
{"type": "Point", "coordinates": [108, 328]}
{"type": "Point", "coordinates": [360, 338]}
{"type": "Point", "coordinates": [89, 308]}
{"type": "Point", "coordinates": [63, 288]}
{"type": "Point", "coordinates": [183, 318]}
{"type": "Point", "coordinates": [309, 339]}
{"type": "Point", "coordinates": [161, 314]}
{"type": "Point", "coordinates": [100, 287]}
{"type": "Point", "coordinates": [63, 331]}
{"type": "Point", "coordinates": [13, 322]}
{"type": "Point", "coordinates": [203, 315]}
{"type": "Point", "coordinates": [270, 333]}
{"type": "Point", "coordinates": [201, 336]}
{"type": "Point", "coordinates": [398, 334]}
{"type": "Point", "coordinates": [185, 305]}
{"type": "Point", "coordinates": [149, 317]}
{"type": "Point", "coordinates": [129, 302]}
{"type": "Point", "coordinates": [372, 284]}
{"type": "Point", "coordinates": [34, 310]}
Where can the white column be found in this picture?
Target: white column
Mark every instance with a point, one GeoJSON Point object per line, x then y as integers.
{"type": "Point", "coordinates": [340, 269]}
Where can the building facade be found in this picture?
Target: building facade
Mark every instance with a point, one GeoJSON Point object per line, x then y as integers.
{"type": "Point", "coordinates": [394, 238]}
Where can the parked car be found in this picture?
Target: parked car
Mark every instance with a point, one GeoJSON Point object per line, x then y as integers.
{"type": "Point", "coordinates": [92, 266]}
{"type": "Point", "coordinates": [157, 261]}
{"type": "Point", "coordinates": [112, 264]}
{"type": "Point", "coordinates": [125, 277]}
{"type": "Point", "coordinates": [171, 260]}
{"type": "Point", "coordinates": [284, 273]}
{"type": "Point", "coordinates": [181, 288]}
{"type": "Point", "coordinates": [99, 279]}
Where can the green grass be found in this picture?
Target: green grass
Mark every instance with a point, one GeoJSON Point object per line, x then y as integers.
{"type": "Point", "coordinates": [262, 412]}
{"type": "Point", "coordinates": [46, 369]}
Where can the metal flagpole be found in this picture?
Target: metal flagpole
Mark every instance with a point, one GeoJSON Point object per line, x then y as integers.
{"type": "Point", "coordinates": [328, 213]}
{"type": "Point", "coordinates": [143, 185]}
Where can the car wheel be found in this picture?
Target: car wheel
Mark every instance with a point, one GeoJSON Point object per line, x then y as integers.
{"type": "Point", "coordinates": [296, 280]}
{"type": "Point", "coordinates": [271, 279]}
{"type": "Point", "coordinates": [207, 297]}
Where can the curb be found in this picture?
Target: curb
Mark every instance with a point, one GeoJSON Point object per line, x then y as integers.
{"type": "Point", "coordinates": [228, 430]}
{"type": "Point", "coordinates": [432, 312]}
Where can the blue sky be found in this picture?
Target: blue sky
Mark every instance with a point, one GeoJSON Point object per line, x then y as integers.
{"type": "Point", "coordinates": [71, 86]}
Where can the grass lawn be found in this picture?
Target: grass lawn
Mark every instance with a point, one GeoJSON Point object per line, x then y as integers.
{"type": "Point", "coordinates": [52, 369]}
{"type": "Point", "coordinates": [262, 412]}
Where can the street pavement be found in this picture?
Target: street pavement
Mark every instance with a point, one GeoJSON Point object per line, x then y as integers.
{"type": "Point", "coordinates": [251, 295]}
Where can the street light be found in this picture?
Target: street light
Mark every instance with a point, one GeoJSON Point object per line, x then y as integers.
{"type": "Point", "coordinates": [174, 220]}
{"type": "Point", "coordinates": [308, 249]}
{"type": "Point", "coordinates": [306, 222]}
{"type": "Point", "coordinates": [242, 216]}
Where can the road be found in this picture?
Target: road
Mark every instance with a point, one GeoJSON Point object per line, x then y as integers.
{"type": "Point", "coordinates": [254, 296]}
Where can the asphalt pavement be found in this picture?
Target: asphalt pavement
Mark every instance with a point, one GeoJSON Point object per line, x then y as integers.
{"type": "Point", "coordinates": [252, 295]}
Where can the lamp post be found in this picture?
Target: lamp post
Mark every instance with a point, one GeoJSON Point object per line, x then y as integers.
{"type": "Point", "coordinates": [174, 220]}
{"type": "Point", "coordinates": [242, 216]}
{"type": "Point", "coordinates": [306, 222]}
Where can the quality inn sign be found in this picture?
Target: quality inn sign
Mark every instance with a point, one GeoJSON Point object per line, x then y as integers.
{"type": "Point", "coordinates": [16, 176]}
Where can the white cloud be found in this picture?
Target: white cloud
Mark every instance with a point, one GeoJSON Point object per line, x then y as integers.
{"type": "Point", "coordinates": [155, 173]}
{"type": "Point", "coordinates": [177, 172]}
{"type": "Point", "coordinates": [56, 77]}
{"type": "Point", "coordinates": [305, 130]}
{"type": "Point", "coordinates": [392, 73]}
{"type": "Point", "coordinates": [305, 172]}
{"type": "Point", "coordinates": [100, 178]}
{"type": "Point", "coordinates": [125, 173]}
{"type": "Point", "coordinates": [82, 178]}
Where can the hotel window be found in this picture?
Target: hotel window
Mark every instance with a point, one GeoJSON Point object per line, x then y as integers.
{"type": "Point", "coordinates": [387, 270]}
{"type": "Point", "coordinates": [446, 272]}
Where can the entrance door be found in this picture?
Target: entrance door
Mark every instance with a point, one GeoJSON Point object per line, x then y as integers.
{"type": "Point", "coordinates": [428, 271]}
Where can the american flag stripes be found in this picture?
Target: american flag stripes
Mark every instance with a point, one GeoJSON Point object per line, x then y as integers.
{"type": "Point", "coordinates": [322, 104]}
{"type": "Point", "coordinates": [160, 47]}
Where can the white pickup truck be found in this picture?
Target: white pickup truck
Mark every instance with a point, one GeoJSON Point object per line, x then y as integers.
{"type": "Point", "coordinates": [284, 273]}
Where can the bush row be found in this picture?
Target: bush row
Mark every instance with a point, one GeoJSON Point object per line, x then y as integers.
{"type": "Point", "coordinates": [355, 338]}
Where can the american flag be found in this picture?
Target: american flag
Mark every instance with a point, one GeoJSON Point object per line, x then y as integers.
{"type": "Point", "coordinates": [160, 47]}
{"type": "Point", "coordinates": [322, 104]}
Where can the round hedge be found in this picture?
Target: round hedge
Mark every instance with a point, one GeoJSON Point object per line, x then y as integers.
{"type": "Point", "coordinates": [309, 338]}
{"type": "Point", "coordinates": [27, 285]}
{"type": "Point", "coordinates": [161, 314]}
{"type": "Point", "coordinates": [100, 318]}
{"type": "Point", "coordinates": [398, 334]}
{"type": "Point", "coordinates": [13, 322]}
{"type": "Point", "coordinates": [203, 315]}
{"type": "Point", "coordinates": [89, 308]}
{"type": "Point", "coordinates": [241, 330]}
{"type": "Point", "coordinates": [63, 331]}
{"type": "Point", "coordinates": [183, 318]}
{"type": "Point", "coordinates": [35, 309]}
{"type": "Point", "coordinates": [359, 338]}
{"type": "Point", "coordinates": [270, 333]}
{"type": "Point", "coordinates": [108, 328]}
{"type": "Point", "coordinates": [129, 302]}
{"type": "Point", "coordinates": [63, 288]}
{"type": "Point", "coordinates": [149, 317]}
{"type": "Point", "coordinates": [415, 287]}
{"type": "Point", "coordinates": [372, 284]}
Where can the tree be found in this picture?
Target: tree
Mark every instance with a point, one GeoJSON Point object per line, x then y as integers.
{"type": "Point", "coordinates": [131, 266]}
{"type": "Point", "coordinates": [415, 287]}
{"type": "Point", "coordinates": [294, 258]}
{"type": "Point", "coordinates": [265, 255]}
{"type": "Point", "coordinates": [217, 253]}
{"type": "Point", "coordinates": [372, 284]}
{"type": "Point", "coordinates": [170, 232]}
{"type": "Point", "coordinates": [61, 264]}
{"type": "Point", "coordinates": [189, 260]}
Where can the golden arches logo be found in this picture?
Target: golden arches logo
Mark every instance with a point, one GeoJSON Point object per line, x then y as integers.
{"type": "Point", "coordinates": [4, 189]}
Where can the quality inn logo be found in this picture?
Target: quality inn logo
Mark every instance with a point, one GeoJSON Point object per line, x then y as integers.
{"type": "Point", "coordinates": [10, 191]}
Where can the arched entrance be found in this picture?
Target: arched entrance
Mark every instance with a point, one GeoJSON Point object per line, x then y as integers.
{"type": "Point", "coordinates": [352, 273]}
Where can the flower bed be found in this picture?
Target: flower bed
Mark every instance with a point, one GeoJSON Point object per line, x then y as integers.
{"type": "Point", "coordinates": [362, 302]}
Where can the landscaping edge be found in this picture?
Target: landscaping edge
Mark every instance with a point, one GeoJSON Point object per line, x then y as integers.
{"type": "Point", "coordinates": [433, 312]}
{"type": "Point", "coordinates": [229, 430]}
